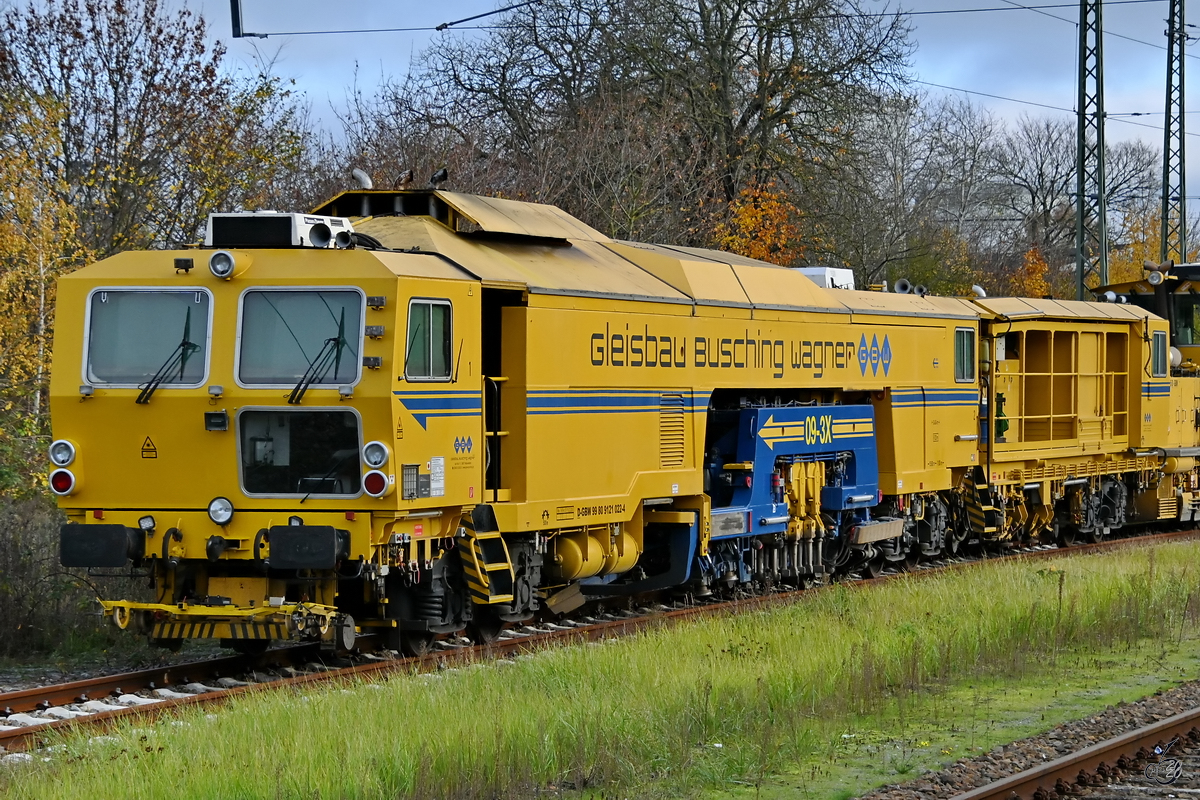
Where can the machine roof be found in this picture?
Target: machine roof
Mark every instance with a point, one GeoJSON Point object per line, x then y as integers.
{"type": "Point", "coordinates": [1034, 308]}
{"type": "Point", "coordinates": [467, 213]}
{"type": "Point", "coordinates": [543, 250]}
{"type": "Point", "coordinates": [580, 266]}
{"type": "Point", "coordinates": [909, 305]}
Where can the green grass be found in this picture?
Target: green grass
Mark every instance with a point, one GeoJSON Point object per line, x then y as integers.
{"type": "Point", "coordinates": [908, 735]}
{"type": "Point", "coordinates": [853, 688]}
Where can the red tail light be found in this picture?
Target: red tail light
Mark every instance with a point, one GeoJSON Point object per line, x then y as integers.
{"type": "Point", "coordinates": [375, 483]}
{"type": "Point", "coordinates": [62, 482]}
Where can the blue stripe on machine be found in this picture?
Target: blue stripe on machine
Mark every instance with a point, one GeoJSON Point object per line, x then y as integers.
{"type": "Point", "coordinates": [608, 401]}
{"type": "Point", "coordinates": [440, 403]}
{"type": "Point", "coordinates": [917, 398]}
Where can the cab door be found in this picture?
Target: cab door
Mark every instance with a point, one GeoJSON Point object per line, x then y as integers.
{"type": "Point", "coordinates": [438, 402]}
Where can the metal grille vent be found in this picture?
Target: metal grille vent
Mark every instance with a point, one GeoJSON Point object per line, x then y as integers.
{"type": "Point", "coordinates": [408, 481]}
{"type": "Point", "coordinates": [672, 431]}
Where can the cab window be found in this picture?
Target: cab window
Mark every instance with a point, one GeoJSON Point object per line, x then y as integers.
{"type": "Point", "coordinates": [289, 335]}
{"type": "Point", "coordinates": [1158, 356]}
{"type": "Point", "coordinates": [964, 355]}
{"type": "Point", "coordinates": [300, 453]}
{"type": "Point", "coordinates": [139, 335]}
{"type": "Point", "coordinates": [427, 354]}
{"type": "Point", "coordinates": [1187, 319]}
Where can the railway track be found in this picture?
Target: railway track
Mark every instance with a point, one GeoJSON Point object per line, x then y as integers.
{"type": "Point", "coordinates": [1158, 760]}
{"type": "Point", "coordinates": [28, 718]}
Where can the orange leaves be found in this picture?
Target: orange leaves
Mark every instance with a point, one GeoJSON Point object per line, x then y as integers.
{"type": "Point", "coordinates": [1031, 279]}
{"type": "Point", "coordinates": [1140, 242]}
{"type": "Point", "coordinates": [764, 224]}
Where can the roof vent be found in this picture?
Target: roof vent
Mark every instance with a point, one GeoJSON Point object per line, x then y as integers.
{"type": "Point", "coordinates": [273, 229]}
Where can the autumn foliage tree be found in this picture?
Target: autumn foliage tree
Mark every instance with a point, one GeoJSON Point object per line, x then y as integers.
{"type": "Point", "coordinates": [763, 224]}
{"type": "Point", "coordinates": [1031, 279]}
{"type": "Point", "coordinates": [39, 240]}
{"type": "Point", "coordinates": [120, 127]}
{"type": "Point", "coordinates": [1139, 239]}
{"type": "Point", "coordinates": [144, 128]}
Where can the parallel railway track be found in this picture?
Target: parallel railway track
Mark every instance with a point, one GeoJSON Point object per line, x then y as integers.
{"type": "Point", "coordinates": [1135, 764]}
{"type": "Point", "coordinates": [29, 716]}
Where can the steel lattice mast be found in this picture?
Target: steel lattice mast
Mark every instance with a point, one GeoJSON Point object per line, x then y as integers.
{"type": "Point", "coordinates": [1091, 234]}
{"type": "Point", "coordinates": [1174, 203]}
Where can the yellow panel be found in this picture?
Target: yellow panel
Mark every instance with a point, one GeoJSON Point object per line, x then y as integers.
{"type": "Point", "coordinates": [407, 233]}
{"type": "Point", "coordinates": [1082, 310]}
{"type": "Point", "coordinates": [415, 265]}
{"type": "Point", "coordinates": [496, 215]}
{"type": "Point", "coordinates": [658, 261]}
{"type": "Point", "coordinates": [1184, 392]}
{"type": "Point", "coordinates": [718, 255]}
{"type": "Point", "coordinates": [906, 304]}
{"type": "Point", "coordinates": [583, 267]}
{"type": "Point", "coordinates": [1028, 307]}
{"type": "Point", "coordinates": [714, 282]}
{"type": "Point", "coordinates": [700, 279]}
{"type": "Point", "coordinates": [1154, 410]}
{"type": "Point", "coordinates": [767, 285]}
{"type": "Point", "coordinates": [579, 267]}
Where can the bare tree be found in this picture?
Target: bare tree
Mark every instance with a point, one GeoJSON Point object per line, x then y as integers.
{"type": "Point", "coordinates": [1034, 174]}
{"type": "Point", "coordinates": [645, 120]}
{"type": "Point", "coordinates": [900, 205]}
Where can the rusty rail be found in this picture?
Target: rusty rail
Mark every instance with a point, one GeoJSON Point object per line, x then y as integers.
{"type": "Point", "coordinates": [1064, 776]}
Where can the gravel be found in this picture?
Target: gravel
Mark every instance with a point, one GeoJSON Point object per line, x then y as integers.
{"type": "Point", "coordinates": [16, 677]}
{"type": "Point", "coordinates": [970, 773]}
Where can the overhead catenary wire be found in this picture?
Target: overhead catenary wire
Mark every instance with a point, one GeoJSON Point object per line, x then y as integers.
{"type": "Point", "coordinates": [1063, 109]}
{"type": "Point", "coordinates": [858, 15]}
{"type": "Point", "coordinates": [1114, 34]}
{"type": "Point", "coordinates": [1012, 5]}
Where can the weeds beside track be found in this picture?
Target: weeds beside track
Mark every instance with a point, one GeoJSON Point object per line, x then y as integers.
{"type": "Point", "coordinates": [733, 697]}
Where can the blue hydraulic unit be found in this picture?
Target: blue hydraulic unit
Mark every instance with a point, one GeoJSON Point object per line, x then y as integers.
{"type": "Point", "coordinates": [747, 464]}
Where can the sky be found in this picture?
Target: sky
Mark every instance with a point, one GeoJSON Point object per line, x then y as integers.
{"type": "Point", "coordinates": [1008, 52]}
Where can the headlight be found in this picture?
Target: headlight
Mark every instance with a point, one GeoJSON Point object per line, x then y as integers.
{"type": "Point", "coordinates": [375, 454]}
{"type": "Point", "coordinates": [62, 453]}
{"type": "Point", "coordinates": [220, 510]}
{"type": "Point", "coordinates": [221, 263]}
{"type": "Point", "coordinates": [146, 523]}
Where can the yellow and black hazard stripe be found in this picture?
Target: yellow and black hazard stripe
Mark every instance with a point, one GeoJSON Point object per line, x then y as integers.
{"type": "Point", "coordinates": [476, 578]}
{"type": "Point", "coordinates": [486, 564]}
{"type": "Point", "coordinates": [981, 513]}
{"type": "Point", "coordinates": [219, 630]}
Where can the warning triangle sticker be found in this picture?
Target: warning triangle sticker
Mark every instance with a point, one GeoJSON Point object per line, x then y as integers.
{"type": "Point", "coordinates": [148, 449]}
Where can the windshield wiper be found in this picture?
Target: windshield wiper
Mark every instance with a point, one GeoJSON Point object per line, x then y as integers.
{"type": "Point", "coordinates": [321, 481]}
{"type": "Point", "coordinates": [178, 358]}
{"type": "Point", "coordinates": [414, 335]}
{"type": "Point", "coordinates": [330, 355]}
